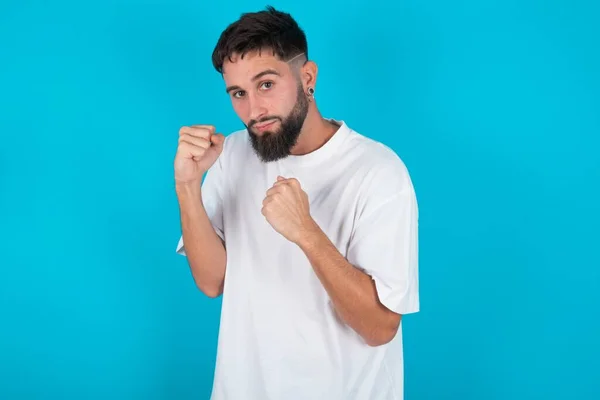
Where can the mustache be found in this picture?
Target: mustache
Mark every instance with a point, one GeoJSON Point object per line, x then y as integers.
{"type": "Point", "coordinates": [265, 119]}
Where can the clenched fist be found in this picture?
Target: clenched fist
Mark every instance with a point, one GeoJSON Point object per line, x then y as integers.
{"type": "Point", "coordinates": [198, 149]}
{"type": "Point", "coordinates": [286, 208]}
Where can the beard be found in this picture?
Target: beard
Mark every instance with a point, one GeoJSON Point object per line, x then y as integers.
{"type": "Point", "coordinates": [275, 145]}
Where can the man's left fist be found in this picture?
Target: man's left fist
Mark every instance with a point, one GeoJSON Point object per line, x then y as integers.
{"type": "Point", "coordinates": [286, 208]}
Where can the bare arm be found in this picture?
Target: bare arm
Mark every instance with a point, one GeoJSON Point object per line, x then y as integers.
{"type": "Point", "coordinates": [204, 248]}
{"type": "Point", "coordinates": [198, 149]}
{"type": "Point", "coordinates": [352, 291]}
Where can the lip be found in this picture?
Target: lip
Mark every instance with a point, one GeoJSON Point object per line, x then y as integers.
{"type": "Point", "coordinates": [262, 127]}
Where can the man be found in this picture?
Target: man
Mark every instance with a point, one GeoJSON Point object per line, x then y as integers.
{"type": "Point", "coordinates": [307, 228]}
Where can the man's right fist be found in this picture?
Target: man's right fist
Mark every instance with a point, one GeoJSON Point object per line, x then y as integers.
{"type": "Point", "coordinates": [198, 149]}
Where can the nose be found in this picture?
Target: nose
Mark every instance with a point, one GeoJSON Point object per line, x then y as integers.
{"type": "Point", "coordinates": [257, 107]}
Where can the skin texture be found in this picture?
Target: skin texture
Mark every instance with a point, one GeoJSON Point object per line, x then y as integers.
{"type": "Point", "coordinates": [198, 149]}
{"type": "Point", "coordinates": [352, 292]}
{"type": "Point", "coordinates": [264, 89]}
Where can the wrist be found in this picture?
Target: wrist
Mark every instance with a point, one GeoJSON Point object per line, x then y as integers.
{"type": "Point", "coordinates": [310, 237]}
{"type": "Point", "coordinates": [191, 189]}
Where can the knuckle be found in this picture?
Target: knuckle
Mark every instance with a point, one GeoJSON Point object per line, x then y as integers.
{"type": "Point", "coordinates": [203, 133]}
{"type": "Point", "coordinates": [200, 150]}
{"type": "Point", "coordinates": [204, 129]}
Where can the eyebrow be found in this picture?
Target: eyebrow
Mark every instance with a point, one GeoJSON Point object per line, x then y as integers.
{"type": "Point", "coordinates": [269, 71]}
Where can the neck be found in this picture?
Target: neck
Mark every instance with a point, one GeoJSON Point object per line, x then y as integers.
{"type": "Point", "coordinates": [316, 131]}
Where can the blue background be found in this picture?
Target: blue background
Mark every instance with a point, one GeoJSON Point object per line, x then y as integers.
{"type": "Point", "coordinates": [493, 105]}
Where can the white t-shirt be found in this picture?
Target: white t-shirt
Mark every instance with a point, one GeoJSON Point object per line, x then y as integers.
{"type": "Point", "coordinates": [280, 338]}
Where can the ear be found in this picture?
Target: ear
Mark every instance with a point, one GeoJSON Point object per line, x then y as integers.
{"type": "Point", "coordinates": [309, 75]}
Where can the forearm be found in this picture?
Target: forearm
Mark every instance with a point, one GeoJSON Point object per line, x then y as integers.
{"type": "Point", "coordinates": [352, 291]}
{"type": "Point", "coordinates": [204, 249]}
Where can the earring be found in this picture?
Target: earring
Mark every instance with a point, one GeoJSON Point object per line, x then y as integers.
{"type": "Point", "coordinates": [311, 93]}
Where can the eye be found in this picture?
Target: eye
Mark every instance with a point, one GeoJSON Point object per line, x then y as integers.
{"type": "Point", "coordinates": [267, 85]}
{"type": "Point", "coordinates": [238, 94]}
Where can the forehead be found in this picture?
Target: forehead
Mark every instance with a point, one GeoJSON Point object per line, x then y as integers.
{"type": "Point", "coordinates": [247, 66]}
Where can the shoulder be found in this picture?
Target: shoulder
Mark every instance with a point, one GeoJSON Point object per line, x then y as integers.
{"type": "Point", "coordinates": [236, 141]}
{"type": "Point", "coordinates": [236, 148]}
{"type": "Point", "coordinates": [381, 168]}
{"type": "Point", "coordinates": [381, 178]}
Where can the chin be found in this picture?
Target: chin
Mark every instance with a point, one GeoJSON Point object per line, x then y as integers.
{"type": "Point", "coordinates": [264, 134]}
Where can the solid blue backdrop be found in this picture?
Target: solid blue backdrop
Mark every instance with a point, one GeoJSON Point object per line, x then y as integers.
{"type": "Point", "coordinates": [493, 105]}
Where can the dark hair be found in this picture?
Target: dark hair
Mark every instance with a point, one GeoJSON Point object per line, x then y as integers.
{"type": "Point", "coordinates": [258, 31]}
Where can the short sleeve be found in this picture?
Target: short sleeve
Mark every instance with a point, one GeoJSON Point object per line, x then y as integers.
{"type": "Point", "coordinates": [384, 245]}
{"type": "Point", "coordinates": [212, 198]}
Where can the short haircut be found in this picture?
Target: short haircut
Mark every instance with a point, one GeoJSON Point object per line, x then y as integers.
{"type": "Point", "coordinates": [268, 30]}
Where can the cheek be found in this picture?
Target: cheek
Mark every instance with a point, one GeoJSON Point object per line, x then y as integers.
{"type": "Point", "coordinates": [277, 104]}
{"type": "Point", "coordinates": [241, 109]}
{"type": "Point", "coordinates": [286, 101]}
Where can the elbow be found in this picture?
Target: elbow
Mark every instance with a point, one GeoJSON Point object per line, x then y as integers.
{"type": "Point", "coordinates": [209, 290]}
{"type": "Point", "coordinates": [212, 292]}
{"type": "Point", "coordinates": [213, 295]}
{"type": "Point", "coordinates": [381, 338]}
{"type": "Point", "coordinates": [208, 280]}
{"type": "Point", "coordinates": [384, 335]}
